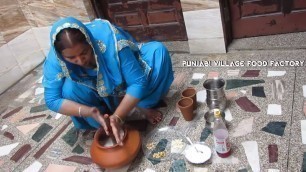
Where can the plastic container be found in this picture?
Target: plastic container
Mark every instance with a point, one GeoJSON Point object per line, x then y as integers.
{"type": "Point", "coordinates": [221, 136]}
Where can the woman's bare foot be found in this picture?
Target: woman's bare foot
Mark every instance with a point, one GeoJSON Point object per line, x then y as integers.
{"type": "Point", "coordinates": [152, 115]}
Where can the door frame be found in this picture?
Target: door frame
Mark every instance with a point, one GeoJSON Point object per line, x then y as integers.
{"type": "Point", "coordinates": [226, 22]}
{"type": "Point", "coordinates": [97, 5]}
{"type": "Point", "coordinates": [223, 6]}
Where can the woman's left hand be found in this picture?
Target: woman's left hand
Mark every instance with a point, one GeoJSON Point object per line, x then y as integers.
{"type": "Point", "coordinates": [116, 128]}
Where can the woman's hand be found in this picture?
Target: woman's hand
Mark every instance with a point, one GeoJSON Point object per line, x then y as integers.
{"type": "Point", "coordinates": [115, 123]}
{"type": "Point", "coordinates": [102, 119]}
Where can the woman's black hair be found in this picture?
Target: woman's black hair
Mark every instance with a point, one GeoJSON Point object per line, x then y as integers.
{"type": "Point", "coordinates": [67, 38]}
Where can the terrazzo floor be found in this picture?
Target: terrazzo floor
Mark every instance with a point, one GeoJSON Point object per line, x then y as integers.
{"type": "Point", "coordinates": [35, 139]}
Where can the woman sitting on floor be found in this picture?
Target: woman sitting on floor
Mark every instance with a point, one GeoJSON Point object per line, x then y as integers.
{"type": "Point", "coordinates": [95, 72]}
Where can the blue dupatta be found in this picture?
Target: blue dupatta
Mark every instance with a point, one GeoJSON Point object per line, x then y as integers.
{"type": "Point", "coordinates": [106, 41]}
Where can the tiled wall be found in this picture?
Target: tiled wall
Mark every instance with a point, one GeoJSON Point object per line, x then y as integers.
{"type": "Point", "coordinates": [22, 54]}
{"type": "Point", "coordinates": [204, 26]}
{"type": "Point", "coordinates": [18, 16]}
{"type": "Point", "coordinates": [12, 19]}
{"type": "Point", "coordinates": [24, 33]}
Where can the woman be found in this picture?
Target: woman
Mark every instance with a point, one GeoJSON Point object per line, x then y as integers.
{"type": "Point", "coordinates": [97, 69]}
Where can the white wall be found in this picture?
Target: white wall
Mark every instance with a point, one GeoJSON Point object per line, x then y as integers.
{"type": "Point", "coordinates": [22, 54]}
{"type": "Point", "coordinates": [204, 30]}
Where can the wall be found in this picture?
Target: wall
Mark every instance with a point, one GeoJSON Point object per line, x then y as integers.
{"type": "Point", "coordinates": [18, 16]}
{"type": "Point", "coordinates": [24, 33]}
{"type": "Point", "coordinates": [204, 26]}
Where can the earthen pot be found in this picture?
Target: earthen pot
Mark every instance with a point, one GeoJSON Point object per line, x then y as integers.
{"type": "Point", "coordinates": [115, 156]}
{"type": "Point", "coordinates": [191, 93]}
{"type": "Point", "coordinates": [186, 106]}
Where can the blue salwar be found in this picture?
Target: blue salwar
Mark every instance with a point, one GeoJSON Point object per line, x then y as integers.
{"type": "Point", "coordinates": [143, 71]}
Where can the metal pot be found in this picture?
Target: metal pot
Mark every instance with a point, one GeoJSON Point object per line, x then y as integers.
{"type": "Point", "coordinates": [215, 93]}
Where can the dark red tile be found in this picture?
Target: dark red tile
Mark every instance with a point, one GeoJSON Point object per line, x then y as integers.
{"type": "Point", "coordinates": [12, 112]}
{"type": "Point", "coordinates": [174, 121]}
{"type": "Point", "coordinates": [9, 135]}
{"type": "Point", "coordinates": [21, 152]}
{"type": "Point", "coordinates": [251, 73]}
{"type": "Point", "coordinates": [245, 104]}
{"type": "Point", "coordinates": [273, 153]}
{"type": "Point", "coordinates": [79, 159]}
{"type": "Point", "coordinates": [33, 117]}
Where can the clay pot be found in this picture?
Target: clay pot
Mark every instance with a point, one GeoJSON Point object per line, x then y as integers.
{"type": "Point", "coordinates": [115, 156]}
{"type": "Point", "coordinates": [191, 93]}
{"type": "Point", "coordinates": [186, 106]}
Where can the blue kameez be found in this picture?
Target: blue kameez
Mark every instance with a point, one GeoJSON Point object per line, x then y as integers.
{"type": "Point", "coordinates": [143, 71]}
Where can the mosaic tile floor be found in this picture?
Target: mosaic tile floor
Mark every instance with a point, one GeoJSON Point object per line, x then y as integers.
{"type": "Point", "coordinates": [264, 121]}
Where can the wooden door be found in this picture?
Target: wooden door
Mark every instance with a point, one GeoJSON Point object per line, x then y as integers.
{"type": "Point", "coordinates": [266, 17]}
{"type": "Point", "coordinates": [147, 19]}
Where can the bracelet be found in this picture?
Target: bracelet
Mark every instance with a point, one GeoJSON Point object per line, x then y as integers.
{"type": "Point", "coordinates": [120, 119]}
{"type": "Point", "coordinates": [80, 115]}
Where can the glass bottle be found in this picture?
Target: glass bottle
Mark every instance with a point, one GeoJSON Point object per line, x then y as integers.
{"type": "Point", "coordinates": [221, 136]}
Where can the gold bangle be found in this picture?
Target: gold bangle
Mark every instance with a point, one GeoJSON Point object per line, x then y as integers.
{"type": "Point", "coordinates": [120, 119]}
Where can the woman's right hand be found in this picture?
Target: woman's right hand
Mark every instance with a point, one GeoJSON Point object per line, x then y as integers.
{"type": "Point", "coordinates": [102, 119]}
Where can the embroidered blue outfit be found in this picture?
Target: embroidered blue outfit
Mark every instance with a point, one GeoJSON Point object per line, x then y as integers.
{"type": "Point", "coordinates": [143, 71]}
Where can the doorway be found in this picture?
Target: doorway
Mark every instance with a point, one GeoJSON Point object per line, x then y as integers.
{"type": "Point", "coordinates": [145, 20]}
{"type": "Point", "coordinates": [266, 17]}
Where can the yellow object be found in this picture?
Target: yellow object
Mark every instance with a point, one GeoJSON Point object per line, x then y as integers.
{"type": "Point", "coordinates": [150, 146]}
{"type": "Point", "coordinates": [217, 113]}
{"type": "Point", "coordinates": [159, 155]}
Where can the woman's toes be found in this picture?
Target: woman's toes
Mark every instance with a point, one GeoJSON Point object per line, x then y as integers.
{"type": "Point", "coordinates": [158, 118]}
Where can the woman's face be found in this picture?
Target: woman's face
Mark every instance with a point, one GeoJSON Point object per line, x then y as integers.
{"type": "Point", "coordinates": [80, 54]}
